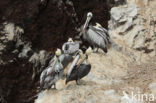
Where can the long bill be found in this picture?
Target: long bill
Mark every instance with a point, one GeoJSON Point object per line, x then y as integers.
{"type": "Point", "coordinates": [72, 65]}
{"type": "Point", "coordinates": [50, 70]}
{"type": "Point", "coordinates": [86, 23]}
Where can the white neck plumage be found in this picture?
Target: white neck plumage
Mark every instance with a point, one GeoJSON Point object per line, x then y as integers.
{"type": "Point", "coordinates": [87, 22]}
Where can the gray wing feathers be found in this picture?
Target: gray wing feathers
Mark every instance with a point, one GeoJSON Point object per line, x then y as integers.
{"type": "Point", "coordinates": [43, 75]}
{"type": "Point", "coordinates": [96, 39]}
{"type": "Point", "coordinates": [52, 60]}
{"type": "Point", "coordinates": [64, 47]}
{"type": "Point", "coordinates": [101, 32]}
{"type": "Point", "coordinates": [70, 48]}
{"type": "Point", "coordinates": [65, 59]}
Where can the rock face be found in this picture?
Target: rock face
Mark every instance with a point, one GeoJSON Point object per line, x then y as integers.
{"type": "Point", "coordinates": [30, 31]}
{"type": "Point", "coordinates": [14, 44]}
{"type": "Point", "coordinates": [131, 26]}
{"type": "Point", "coordinates": [40, 62]}
{"type": "Point", "coordinates": [11, 41]}
{"type": "Point", "coordinates": [116, 76]}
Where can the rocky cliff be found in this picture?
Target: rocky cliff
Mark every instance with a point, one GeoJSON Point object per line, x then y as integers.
{"type": "Point", "coordinates": [119, 73]}
{"type": "Point", "coordinates": [30, 31]}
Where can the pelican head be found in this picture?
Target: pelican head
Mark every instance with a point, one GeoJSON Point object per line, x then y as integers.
{"type": "Point", "coordinates": [89, 16]}
{"type": "Point", "coordinates": [98, 25]}
{"type": "Point", "coordinates": [89, 51]}
{"type": "Point", "coordinates": [58, 52]}
{"type": "Point", "coordinates": [70, 40]}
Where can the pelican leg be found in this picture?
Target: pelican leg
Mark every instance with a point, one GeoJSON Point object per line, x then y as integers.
{"type": "Point", "coordinates": [78, 81]}
{"type": "Point", "coordinates": [95, 50]}
{"type": "Point", "coordinates": [54, 86]}
{"type": "Point", "coordinates": [84, 47]}
{"type": "Point", "coordinates": [48, 88]}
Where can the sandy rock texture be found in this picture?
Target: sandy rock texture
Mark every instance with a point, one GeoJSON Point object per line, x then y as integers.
{"type": "Point", "coordinates": [113, 79]}
{"type": "Point", "coordinates": [133, 25]}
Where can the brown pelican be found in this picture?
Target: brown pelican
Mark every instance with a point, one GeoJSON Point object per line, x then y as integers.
{"type": "Point", "coordinates": [70, 47]}
{"type": "Point", "coordinates": [52, 73]}
{"type": "Point", "coordinates": [70, 66]}
{"type": "Point", "coordinates": [96, 36]}
{"type": "Point", "coordinates": [65, 59]}
{"type": "Point", "coordinates": [82, 68]}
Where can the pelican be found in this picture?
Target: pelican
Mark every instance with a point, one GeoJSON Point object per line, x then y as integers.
{"type": "Point", "coordinates": [81, 69]}
{"type": "Point", "coordinates": [52, 73]}
{"type": "Point", "coordinates": [72, 63]}
{"type": "Point", "coordinates": [96, 36]}
{"type": "Point", "coordinates": [70, 47]}
{"type": "Point", "coordinates": [65, 59]}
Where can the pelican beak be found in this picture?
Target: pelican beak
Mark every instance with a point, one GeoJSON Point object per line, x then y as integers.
{"type": "Point", "coordinates": [87, 22]}
{"type": "Point", "coordinates": [73, 65]}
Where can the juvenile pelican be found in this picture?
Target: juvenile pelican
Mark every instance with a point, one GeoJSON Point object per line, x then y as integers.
{"type": "Point", "coordinates": [52, 73]}
{"type": "Point", "coordinates": [96, 36]}
{"type": "Point", "coordinates": [70, 47]}
{"type": "Point", "coordinates": [81, 69]}
{"type": "Point", "coordinates": [64, 59]}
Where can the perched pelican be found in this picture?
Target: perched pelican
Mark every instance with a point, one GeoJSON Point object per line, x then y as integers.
{"type": "Point", "coordinates": [81, 69]}
{"type": "Point", "coordinates": [52, 73]}
{"type": "Point", "coordinates": [72, 63]}
{"type": "Point", "coordinates": [96, 36]}
{"type": "Point", "coordinates": [65, 59]}
{"type": "Point", "coordinates": [70, 47]}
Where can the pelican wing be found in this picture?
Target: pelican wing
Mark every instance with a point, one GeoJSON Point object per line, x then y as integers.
{"type": "Point", "coordinates": [50, 75]}
{"type": "Point", "coordinates": [50, 68]}
{"type": "Point", "coordinates": [70, 47]}
{"type": "Point", "coordinates": [100, 29]}
{"type": "Point", "coordinates": [95, 38]}
{"type": "Point", "coordinates": [42, 76]}
{"type": "Point", "coordinates": [101, 32]}
{"type": "Point", "coordinates": [65, 59]}
{"type": "Point", "coordinates": [52, 60]}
